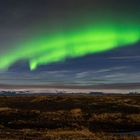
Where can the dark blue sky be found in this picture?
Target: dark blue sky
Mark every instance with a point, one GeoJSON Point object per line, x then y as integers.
{"type": "Point", "coordinates": [121, 65]}
{"type": "Point", "coordinates": [118, 66]}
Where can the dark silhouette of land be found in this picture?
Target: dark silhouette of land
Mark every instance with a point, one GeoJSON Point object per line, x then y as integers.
{"type": "Point", "coordinates": [69, 117]}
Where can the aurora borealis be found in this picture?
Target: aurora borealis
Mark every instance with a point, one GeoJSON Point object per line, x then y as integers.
{"type": "Point", "coordinates": [70, 44]}
{"type": "Point", "coordinates": [79, 36]}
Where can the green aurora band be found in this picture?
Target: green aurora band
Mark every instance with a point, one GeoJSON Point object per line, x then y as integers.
{"type": "Point", "coordinates": [77, 42]}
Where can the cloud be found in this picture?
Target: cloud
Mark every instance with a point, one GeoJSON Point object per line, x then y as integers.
{"type": "Point", "coordinates": [101, 76]}
{"type": "Point", "coordinates": [126, 58]}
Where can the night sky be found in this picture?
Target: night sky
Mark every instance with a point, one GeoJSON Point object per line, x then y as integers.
{"type": "Point", "coordinates": [27, 24]}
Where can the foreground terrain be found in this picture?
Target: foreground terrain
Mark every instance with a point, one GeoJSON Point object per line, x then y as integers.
{"type": "Point", "coordinates": [70, 117]}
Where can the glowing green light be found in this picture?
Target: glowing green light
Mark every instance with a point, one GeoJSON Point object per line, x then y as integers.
{"type": "Point", "coordinates": [58, 46]}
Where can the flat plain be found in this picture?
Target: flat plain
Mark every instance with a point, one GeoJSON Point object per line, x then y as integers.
{"type": "Point", "coordinates": [109, 117]}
